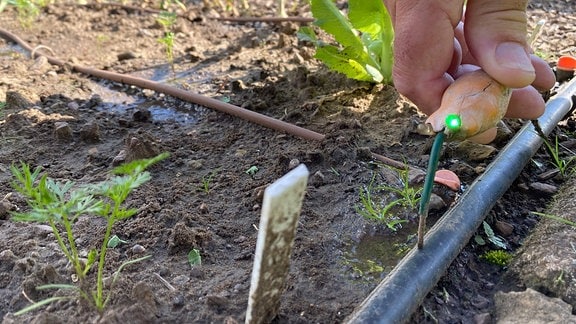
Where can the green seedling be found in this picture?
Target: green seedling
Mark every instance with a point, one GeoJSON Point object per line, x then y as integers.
{"type": "Point", "coordinates": [365, 39]}
{"type": "Point", "coordinates": [497, 257]}
{"type": "Point", "coordinates": [27, 10]}
{"type": "Point", "coordinates": [114, 241]}
{"type": "Point", "coordinates": [167, 20]}
{"type": "Point", "coordinates": [206, 181]}
{"type": "Point", "coordinates": [165, 4]}
{"type": "Point", "coordinates": [493, 238]}
{"type": "Point", "coordinates": [229, 6]}
{"type": "Point", "coordinates": [409, 196]}
{"type": "Point", "coordinates": [381, 210]}
{"type": "Point", "coordinates": [562, 164]}
{"type": "Point", "coordinates": [251, 170]}
{"type": "Point", "coordinates": [559, 281]}
{"type": "Point", "coordinates": [60, 204]}
{"type": "Point", "coordinates": [2, 107]}
{"type": "Point", "coordinates": [556, 218]}
{"type": "Point", "coordinates": [194, 257]}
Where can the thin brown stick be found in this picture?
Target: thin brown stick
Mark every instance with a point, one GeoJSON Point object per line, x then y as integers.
{"type": "Point", "coordinates": [230, 19]}
{"type": "Point", "coordinates": [188, 96]}
{"type": "Point", "coordinates": [136, 9]}
{"type": "Point", "coordinates": [390, 162]}
{"type": "Point", "coordinates": [264, 19]}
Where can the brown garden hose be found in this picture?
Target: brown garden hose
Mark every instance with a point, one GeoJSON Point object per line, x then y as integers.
{"type": "Point", "coordinates": [188, 96]}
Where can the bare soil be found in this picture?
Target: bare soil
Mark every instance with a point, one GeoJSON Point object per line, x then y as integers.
{"type": "Point", "coordinates": [338, 256]}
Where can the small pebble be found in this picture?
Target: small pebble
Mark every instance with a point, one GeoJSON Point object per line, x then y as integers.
{"type": "Point", "coordinates": [119, 159]}
{"type": "Point", "coordinates": [5, 208]}
{"type": "Point", "coordinates": [180, 280]}
{"type": "Point", "coordinates": [484, 318]}
{"type": "Point", "coordinates": [178, 301]}
{"type": "Point", "coordinates": [90, 132]}
{"type": "Point", "coordinates": [73, 105]}
{"type": "Point", "coordinates": [138, 249]}
{"type": "Point", "coordinates": [62, 131]}
{"type": "Point", "coordinates": [436, 203]}
{"type": "Point", "coordinates": [195, 164]}
{"type": "Point", "coordinates": [293, 163]}
{"type": "Point", "coordinates": [503, 228]}
{"type": "Point", "coordinates": [126, 56]}
{"type": "Point", "coordinates": [318, 178]}
{"type": "Point", "coordinates": [240, 239]}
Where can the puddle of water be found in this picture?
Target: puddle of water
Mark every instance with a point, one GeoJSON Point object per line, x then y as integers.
{"type": "Point", "coordinates": [376, 254]}
{"type": "Point", "coordinates": [12, 50]}
{"type": "Point", "coordinates": [117, 99]}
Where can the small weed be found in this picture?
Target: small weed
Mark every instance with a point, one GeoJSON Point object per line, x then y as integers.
{"type": "Point", "coordinates": [114, 241]}
{"type": "Point", "coordinates": [207, 180]}
{"type": "Point", "coordinates": [194, 257]}
{"type": "Point", "coordinates": [165, 4]}
{"type": "Point", "coordinates": [60, 204]}
{"type": "Point", "coordinates": [556, 218]}
{"type": "Point", "coordinates": [229, 6]}
{"type": "Point", "coordinates": [251, 171]}
{"type": "Point", "coordinates": [407, 197]}
{"type": "Point", "coordinates": [167, 20]}
{"type": "Point", "coordinates": [2, 107]}
{"type": "Point", "coordinates": [493, 238]}
{"type": "Point", "coordinates": [557, 161]}
{"type": "Point", "coordinates": [497, 257]}
{"type": "Point", "coordinates": [559, 281]}
{"type": "Point", "coordinates": [27, 10]}
{"type": "Point", "coordinates": [335, 171]}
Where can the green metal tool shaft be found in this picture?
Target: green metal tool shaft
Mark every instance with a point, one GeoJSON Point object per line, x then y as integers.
{"type": "Point", "coordinates": [428, 183]}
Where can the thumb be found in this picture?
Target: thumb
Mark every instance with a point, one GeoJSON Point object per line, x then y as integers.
{"type": "Point", "coordinates": [495, 32]}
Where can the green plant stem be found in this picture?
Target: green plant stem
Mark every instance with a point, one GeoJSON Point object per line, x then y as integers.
{"type": "Point", "coordinates": [428, 184]}
{"type": "Point", "coordinates": [73, 250]}
{"type": "Point", "coordinates": [71, 253]}
{"type": "Point", "coordinates": [99, 301]}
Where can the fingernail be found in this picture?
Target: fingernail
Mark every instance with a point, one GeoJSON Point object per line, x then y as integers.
{"type": "Point", "coordinates": [513, 56]}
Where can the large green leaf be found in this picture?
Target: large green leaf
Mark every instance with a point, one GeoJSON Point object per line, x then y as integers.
{"type": "Point", "coordinates": [331, 20]}
{"type": "Point", "coordinates": [344, 62]}
{"type": "Point", "coordinates": [371, 18]}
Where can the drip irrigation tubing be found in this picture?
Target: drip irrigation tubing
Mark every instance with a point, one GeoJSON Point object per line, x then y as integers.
{"type": "Point", "coordinates": [188, 96]}
{"type": "Point", "coordinates": [400, 293]}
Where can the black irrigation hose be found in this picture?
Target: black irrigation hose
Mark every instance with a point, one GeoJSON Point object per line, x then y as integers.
{"type": "Point", "coordinates": [403, 290]}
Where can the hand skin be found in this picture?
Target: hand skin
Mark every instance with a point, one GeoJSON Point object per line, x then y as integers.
{"type": "Point", "coordinates": [436, 41]}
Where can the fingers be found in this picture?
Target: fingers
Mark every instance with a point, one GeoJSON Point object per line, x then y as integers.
{"type": "Point", "coordinates": [525, 103]}
{"type": "Point", "coordinates": [545, 78]}
{"type": "Point", "coordinates": [495, 32]}
{"type": "Point", "coordinates": [424, 49]}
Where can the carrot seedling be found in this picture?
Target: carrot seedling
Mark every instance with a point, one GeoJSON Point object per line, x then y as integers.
{"type": "Point", "coordinates": [60, 204]}
{"type": "Point", "coordinates": [365, 37]}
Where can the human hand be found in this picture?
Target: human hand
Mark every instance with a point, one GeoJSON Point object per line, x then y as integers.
{"type": "Point", "coordinates": [436, 42]}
